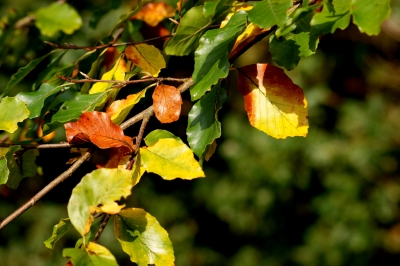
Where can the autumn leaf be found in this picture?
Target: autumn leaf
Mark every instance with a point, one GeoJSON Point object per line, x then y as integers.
{"type": "Point", "coordinates": [154, 13]}
{"type": "Point", "coordinates": [116, 73]}
{"type": "Point", "coordinates": [274, 104]}
{"type": "Point", "coordinates": [97, 128]}
{"type": "Point", "coordinates": [93, 254]}
{"type": "Point", "coordinates": [147, 57]}
{"type": "Point", "coordinates": [167, 103]}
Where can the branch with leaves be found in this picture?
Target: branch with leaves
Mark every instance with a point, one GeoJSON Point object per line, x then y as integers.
{"type": "Point", "coordinates": [97, 115]}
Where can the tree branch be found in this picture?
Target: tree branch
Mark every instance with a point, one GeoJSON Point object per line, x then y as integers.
{"type": "Point", "coordinates": [122, 82]}
{"type": "Point", "coordinates": [42, 146]}
{"type": "Point", "coordinates": [103, 224]}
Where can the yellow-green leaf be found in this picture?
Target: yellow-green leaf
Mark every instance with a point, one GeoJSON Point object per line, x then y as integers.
{"type": "Point", "coordinates": [137, 170]}
{"type": "Point", "coordinates": [12, 111]}
{"type": "Point", "coordinates": [171, 159]}
{"type": "Point", "coordinates": [97, 192]}
{"type": "Point", "coordinates": [116, 73]}
{"type": "Point", "coordinates": [147, 57]}
{"type": "Point", "coordinates": [91, 255]}
{"type": "Point", "coordinates": [58, 231]}
{"type": "Point", "coordinates": [274, 104]}
{"type": "Point", "coordinates": [143, 238]}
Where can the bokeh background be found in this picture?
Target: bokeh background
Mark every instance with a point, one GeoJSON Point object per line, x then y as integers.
{"type": "Point", "coordinates": [329, 199]}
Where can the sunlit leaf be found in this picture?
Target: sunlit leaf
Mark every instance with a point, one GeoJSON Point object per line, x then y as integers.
{"type": "Point", "coordinates": [137, 170]}
{"type": "Point", "coordinates": [57, 17]}
{"type": "Point", "coordinates": [91, 255]}
{"type": "Point", "coordinates": [167, 103]}
{"type": "Point", "coordinates": [116, 73]}
{"type": "Point", "coordinates": [147, 57]}
{"type": "Point", "coordinates": [274, 104]}
{"type": "Point", "coordinates": [211, 58]}
{"type": "Point", "coordinates": [268, 13]}
{"type": "Point", "coordinates": [171, 159]}
{"type": "Point", "coordinates": [154, 13]}
{"type": "Point", "coordinates": [188, 33]}
{"type": "Point", "coordinates": [59, 230]}
{"type": "Point", "coordinates": [143, 238]}
{"type": "Point", "coordinates": [335, 15]}
{"type": "Point", "coordinates": [203, 125]}
{"type": "Point", "coordinates": [12, 111]}
{"type": "Point", "coordinates": [97, 192]}
{"type": "Point", "coordinates": [97, 128]}
{"type": "Point", "coordinates": [158, 134]}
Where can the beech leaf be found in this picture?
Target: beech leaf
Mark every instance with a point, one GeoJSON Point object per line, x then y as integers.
{"type": "Point", "coordinates": [158, 134]}
{"type": "Point", "coordinates": [154, 13]}
{"type": "Point", "coordinates": [59, 230]}
{"type": "Point", "coordinates": [167, 102]}
{"type": "Point", "coordinates": [171, 159]}
{"type": "Point", "coordinates": [147, 57]}
{"type": "Point", "coordinates": [91, 255]}
{"type": "Point", "coordinates": [96, 193]}
{"type": "Point", "coordinates": [274, 104]}
{"type": "Point", "coordinates": [143, 238]}
{"type": "Point", "coordinates": [97, 128]}
{"type": "Point", "coordinates": [116, 73]}
{"type": "Point", "coordinates": [12, 111]}
{"type": "Point", "coordinates": [267, 13]}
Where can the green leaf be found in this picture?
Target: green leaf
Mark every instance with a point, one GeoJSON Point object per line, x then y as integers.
{"type": "Point", "coordinates": [23, 71]}
{"type": "Point", "coordinates": [147, 57]}
{"type": "Point", "coordinates": [143, 238]}
{"type": "Point", "coordinates": [101, 187]}
{"type": "Point", "coordinates": [65, 71]}
{"type": "Point", "coordinates": [46, 73]}
{"type": "Point", "coordinates": [91, 255]}
{"type": "Point", "coordinates": [102, 10]}
{"type": "Point", "coordinates": [203, 126]}
{"type": "Point", "coordinates": [124, 18]}
{"type": "Point", "coordinates": [334, 15]}
{"type": "Point", "coordinates": [284, 52]}
{"type": "Point", "coordinates": [36, 100]}
{"type": "Point", "coordinates": [158, 134]}
{"type": "Point", "coordinates": [171, 159]}
{"type": "Point", "coordinates": [12, 111]}
{"type": "Point", "coordinates": [8, 164]}
{"type": "Point", "coordinates": [57, 17]}
{"type": "Point", "coordinates": [188, 33]}
{"type": "Point", "coordinates": [368, 15]}
{"type": "Point", "coordinates": [211, 58]}
{"type": "Point", "coordinates": [59, 230]}
{"type": "Point", "coordinates": [268, 13]}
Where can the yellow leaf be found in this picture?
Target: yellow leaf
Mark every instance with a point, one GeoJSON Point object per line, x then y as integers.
{"type": "Point", "coordinates": [147, 57]}
{"type": "Point", "coordinates": [171, 159]}
{"type": "Point", "coordinates": [137, 170]}
{"type": "Point", "coordinates": [116, 73]}
{"type": "Point", "coordinates": [154, 13]}
{"type": "Point", "coordinates": [274, 104]}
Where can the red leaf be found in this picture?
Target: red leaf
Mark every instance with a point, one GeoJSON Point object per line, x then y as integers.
{"type": "Point", "coordinates": [97, 128]}
{"type": "Point", "coordinates": [167, 103]}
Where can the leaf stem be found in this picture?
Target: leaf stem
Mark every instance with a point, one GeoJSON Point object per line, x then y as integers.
{"type": "Point", "coordinates": [103, 225]}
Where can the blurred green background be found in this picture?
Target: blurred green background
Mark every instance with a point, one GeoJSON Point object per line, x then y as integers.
{"type": "Point", "coordinates": [329, 199]}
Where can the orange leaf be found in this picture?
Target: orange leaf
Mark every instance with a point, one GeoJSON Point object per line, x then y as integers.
{"type": "Point", "coordinates": [154, 13]}
{"type": "Point", "coordinates": [274, 104]}
{"type": "Point", "coordinates": [97, 128]}
{"type": "Point", "coordinates": [167, 103]}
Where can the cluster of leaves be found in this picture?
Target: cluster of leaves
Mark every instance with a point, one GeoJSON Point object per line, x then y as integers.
{"type": "Point", "coordinates": [274, 104]}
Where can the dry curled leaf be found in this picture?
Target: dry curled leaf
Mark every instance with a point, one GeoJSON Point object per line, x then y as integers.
{"type": "Point", "coordinates": [167, 103]}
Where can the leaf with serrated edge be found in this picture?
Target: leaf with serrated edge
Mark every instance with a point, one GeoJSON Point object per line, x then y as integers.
{"type": "Point", "coordinates": [57, 17]}
{"type": "Point", "coordinates": [101, 187]}
{"type": "Point", "coordinates": [167, 102]}
{"type": "Point", "coordinates": [171, 159]}
{"type": "Point", "coordinates": [116, 73]}
{"type": "Point", "coordinates": [268, 13]}
{"type": "Point", "coordinates": [8, 164]}
{"type": "Point", "coordinates": [147, 57]}
{"type": "Point", "coordinates": [143, 238]}
{"type": "Point", "coordinates": [274, 104]}
{"type": "Point", "coordinates": [368, 15]}
{"type": "Point", "coordinates": [203, 126]}
{"type": "Point", "coordinates": [59, 230]}
{"type": "Point", "coordinates": [120, 109]}
{"type": "Point", "coordinates": [12, 111]}
{"type": "Point", "coordinates": [158, 134]}
{"type": "Point", "coordinates": [211, 57]}
{"type": "Point", "coordinates": [91, 255]}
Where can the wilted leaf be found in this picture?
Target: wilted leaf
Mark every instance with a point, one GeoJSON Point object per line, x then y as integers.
{"type": "Point", "coordinates": [154, 13]}
{"type": "Point", "coordinates": [12, 111]}
{"type": "Point", "coordinates": [171, 159]}
{"type": "Point", "coordinates": [268, 13]}
{"type": "Point", "coordinates": [167, 103]}
{"type": "Point", "coordinates": [57, 17]}
{"type": "Point", "coordinates": [97, 192]}
{"type": "Point", "coordinates": [143, 238]}
{"type": "Point", "coordinates": [273, 103]}
{"type": "Point", "coordinates": [120, 109]}
{"type": "Point", "coordinates": [91, 255]}
{"type": "Point", "coordinates": [203, 125]}
{"type": "Point", "coordinates": [97, 127]}
{"type": "Point", "coordinates": [59, 230]}
{"type": "Point", "coordinates": [147, 57]}
{"type": "Point", "coordinates": [158, 134]}
{"type": "Point", "coordinates": [116, 73]}
{"type": "Point", "coordinates": [211, 58]}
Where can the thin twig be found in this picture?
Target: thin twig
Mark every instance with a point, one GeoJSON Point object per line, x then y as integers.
{"type": "Point", "coordinates": [42, 146]}
{"type": "Point", "coordinates": [46, 189]}
{"type": "Point", "coordinates": [122, 82]}
{"type": "Point", "coordinates": [103, 224]}
{"type": "Point", "coordinates": [146, 118]}
{"type": "Point", "coordinates": [89, 48]}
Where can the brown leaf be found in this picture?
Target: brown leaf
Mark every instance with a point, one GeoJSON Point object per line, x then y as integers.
{"type": "Point", "coordinates": [167, 103]}
{"type": "Point", "coordinates": [97, 128]}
